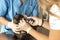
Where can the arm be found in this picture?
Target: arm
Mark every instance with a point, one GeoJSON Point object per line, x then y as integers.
{"type": "Point", "coordinates": [46, 25]}
{"type": "Point", "coordinates": [26, 27]}
{"type": "Point", "coordinates": [54, 34]}
{"type": "Point", "coordinates": [3, 21]}
{"type": "Point", "coordinates": [38, 21]}
{"type": "Point", "coordinates": [37, 35]}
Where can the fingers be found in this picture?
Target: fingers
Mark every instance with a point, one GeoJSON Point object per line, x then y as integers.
{"type": "Point", "coordinates": [17, 28]}
{"type": "Point", "coordinates": [22, 22]}
{"type": "Point", "coordinates": [17, 32]}
{"type": "Point", "coordinates": [30, 22]}
{"type": "Point", "coordinates": [21, 26]}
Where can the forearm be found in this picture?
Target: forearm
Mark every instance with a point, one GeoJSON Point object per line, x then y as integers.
{"type": "Point", "coordinates": [37, 35]}
{"type": "Point", "coordinates": [3, 21]}
{"type": "Point", "coordinates": [45, 24]}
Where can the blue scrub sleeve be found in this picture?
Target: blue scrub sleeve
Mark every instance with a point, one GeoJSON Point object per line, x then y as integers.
{"type": "Point", "coordinates": [3, 7]}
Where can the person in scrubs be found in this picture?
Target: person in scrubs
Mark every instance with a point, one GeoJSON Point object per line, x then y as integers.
{"type": "Point", "coordinates": [9, 8]}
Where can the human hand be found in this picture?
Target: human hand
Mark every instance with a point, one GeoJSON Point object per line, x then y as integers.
{"type": "Point", "coordinates": [24, 26]}
{"type": "Point", "coordinates": [13, 26]}
{"type": "Point", "coordinates": [37, 21]}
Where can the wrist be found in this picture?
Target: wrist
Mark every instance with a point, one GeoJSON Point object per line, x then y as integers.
{"type": "Point", "coordinates": [42, 22]}
{"type": "Point", "coordinates": [9, 24]}
{"type": "Point", "coordinates": [28, 29]}
{"type": "Point", "coordinates": [39, 22]}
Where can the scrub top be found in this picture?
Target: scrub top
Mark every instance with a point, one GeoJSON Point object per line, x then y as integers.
{"type": "Point", "coordinates": [9, 8]}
